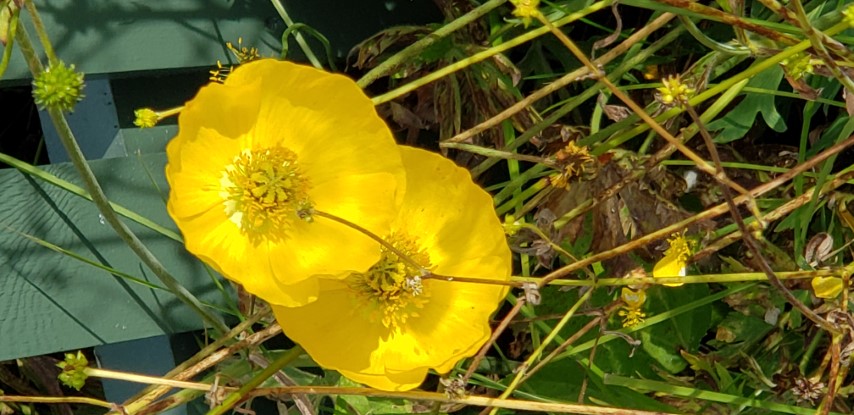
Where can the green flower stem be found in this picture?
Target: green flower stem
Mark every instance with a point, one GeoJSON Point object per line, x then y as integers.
{"type": "Point", "coordinates": [60, 123]}
{"type": "Point", "coordinates": [373, 236]}
{"type": "Point", "coordinates": [110, 216]}
{"type": "Point", "coordinates": [235, 397]}
{"type": "Point", "coordinates": [705, 395]}
{"type": "Point", "coordinates": [209, 356]}
{"type": "Point", "coordinates": [486, 54]}
{"type": "Point", "coordinates": [533, 357]}
{"type": "Point", "coordinates": [493, 153]}
{"type": "Point", "coordinates": [818, 39]}
{"type": "Point", "coordinates": [691, 279]}
{"type": "Point", "coordinates": [29, 52]}
{"type": "Point", "coordinates": [417, 395]}
{"type": "Point", "coordinates": [57, 400]}
{"type": "Point", "coordinates": [137, 378]}
{"type": "Point", "coordinates": [10, 41]}
{"type": "Point", "coordinates": [41, 32]}
{"type": "Point", "coordinates": [74, 189]}
{"type": "Point", "coordinates": [309, 54]}
{"type": "Point", "coordinates": [391, 64]}
{"type": "Point", "coordinates": [711, 43]}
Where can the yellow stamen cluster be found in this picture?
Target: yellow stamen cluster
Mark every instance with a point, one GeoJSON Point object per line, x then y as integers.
{"type": "Point", "coordinates": [392, 289]}
{"type": "Point", "coordinates": [243, 53]}
{"type": "Point", "coordinates": [673, 90]}
{"type": "Point", "coordinates": [572, 162]}
{"type": "Point", "coordinates": [632, 303]}
{"type": "Point", "coordinates": [73, 368]}
{"type": "Point", "coordinates": [263, 192]}
{"type": "Point", "coordinates": [220, 73]}
{"type": "Point", "coordinates": [526, 10]}
{"type": "Point", "coordinates": [511, 225]}
{"type": "Point", "coordinates": [147, 117]}
{"type": "Point", "coordinates": [799, 65]}
{"type": "Point", "coordinates": [848, 15]}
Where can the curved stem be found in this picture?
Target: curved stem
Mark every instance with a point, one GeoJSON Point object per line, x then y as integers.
{"type": "Point", "coordinates": [309, 54]}
{"type": "Point", "coordinates": [376, 238]}
{"type": "Point", "coordinates": [91, 184]}
{"type": "Point", "coordinates": [41, 32]}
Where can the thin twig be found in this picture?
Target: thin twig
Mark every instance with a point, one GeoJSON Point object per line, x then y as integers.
{"type": "Point", "coordinates": [748, 237]}
{"type": "Point", "coordinates": [707, 214]}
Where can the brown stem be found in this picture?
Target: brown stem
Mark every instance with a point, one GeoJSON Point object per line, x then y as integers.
{"type": "Point", "coordinates": [707, 214]}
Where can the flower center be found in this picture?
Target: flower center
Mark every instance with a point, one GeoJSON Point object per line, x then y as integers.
{"type": "Point", "coordinates": [264, 191]}
{"type": "Point", "coordinates": [392, 289]}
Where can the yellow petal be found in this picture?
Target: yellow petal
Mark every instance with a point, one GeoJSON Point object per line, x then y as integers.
{"type": "Point", "coordinates": [454, 221]}
{"type": "Point", "coordinates": [343, 150]}
{"type": "Point", "coordinates": [826, 287]}
{"type": "Point", "coordinates": [669, 266]}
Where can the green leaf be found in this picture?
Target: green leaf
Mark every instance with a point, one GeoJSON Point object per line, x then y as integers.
{"type": "Point", "coordinates": [738, 333]}
{"type": "Point", "coordinates": [737, 122]}
{"type": "Point", "coordinates": [663, 342]}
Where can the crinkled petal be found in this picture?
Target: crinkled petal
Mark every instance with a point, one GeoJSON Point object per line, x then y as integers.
{"type": "Point", "coordinates": [342, 148]}
{"type": "Point", "coordinates": [669, 266]}
{"type": "Point", "coordinates": [454, 222]}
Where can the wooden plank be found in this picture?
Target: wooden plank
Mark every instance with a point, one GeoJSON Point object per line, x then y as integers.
{"type": "Point", "coordinates": [50, 302]}
{"type": "Point", "coordinates": [112, 36]}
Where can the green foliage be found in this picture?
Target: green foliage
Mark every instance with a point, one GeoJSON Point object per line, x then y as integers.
{"type": "Point", "coordinates": [736, 123]}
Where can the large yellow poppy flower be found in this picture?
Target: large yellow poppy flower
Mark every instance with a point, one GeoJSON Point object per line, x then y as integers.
{"type": "Point", "coordinates": [254, 157]}
{"type": "Point", "coordinates": [386, 327]}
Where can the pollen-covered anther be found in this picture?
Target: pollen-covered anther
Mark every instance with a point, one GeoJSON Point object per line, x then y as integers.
{"type": "Point", "coordinates": [59, 86]}
{"type": "Point", "coordinates": [264, 192]}
{"type": "Point", "coordinates": [848, 15]}
{"type": "Point", "coordinates": [243, 53]}
{"type": "Point", "coordinates": [392, 290]}
{"type": "Point", "coordinates": [526, 10]}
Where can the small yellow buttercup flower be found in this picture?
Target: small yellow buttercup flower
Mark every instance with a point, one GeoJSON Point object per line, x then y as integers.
{"type": "Point", "coordinates": [388, 326]}
{"type": "Point", "coordinates": [526, 10]}
{"type": "Point", "coordinates": [848, 15]}
{"type": "Point", "coordinates": [256, 155]}
{"type": "Point", "coordinates": [673, 90]}
{"type": "Point", "coordinates": [632, 303]}
{"type": "Point", "coordinates": [800, 65]}
{"type": "Point", "coordinates": [675, 259]}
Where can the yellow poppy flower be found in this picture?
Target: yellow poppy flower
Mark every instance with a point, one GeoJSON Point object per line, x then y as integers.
{"type": "Point", "coordinates": [254, 157]}
{"type": "Point", "coordinates": [386, 327]}
{"type": "Point", "coordinates": [675, 259]}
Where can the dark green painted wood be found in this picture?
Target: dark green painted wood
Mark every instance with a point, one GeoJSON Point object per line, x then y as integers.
{"type": "Point", "coordinates": [112, 36]}
{"type": "Point", "coordinates": [50, 302]}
